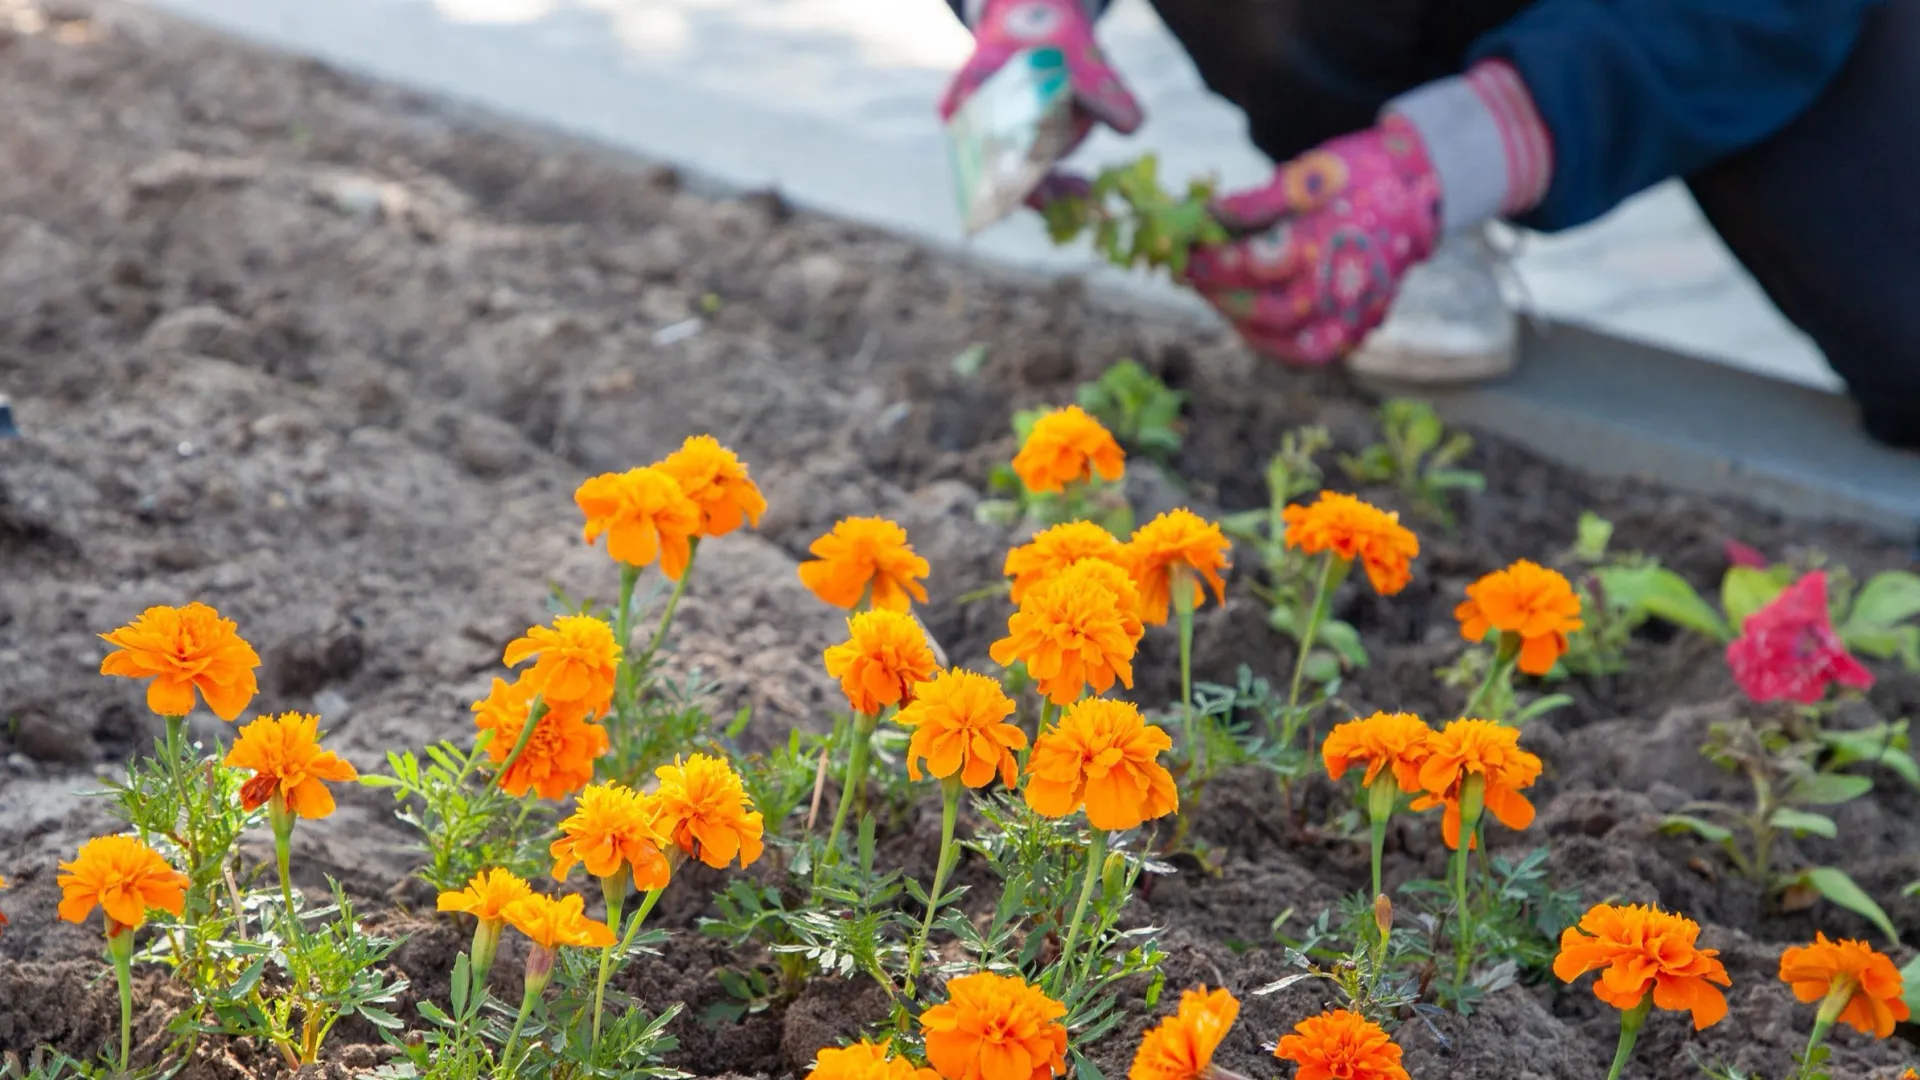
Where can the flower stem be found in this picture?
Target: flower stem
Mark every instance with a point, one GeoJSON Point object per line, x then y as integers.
{"type": "Point", "coordinates": [120, 952]}
{"type": "Point", "coordinates": [613, 887]}
{"type": "Point", "coordinates": [623, 680]}
{"type": "Point", "coordinates": [1096, 858]}
{"type": "Point", "coordinates": [1381, 796]}
{"type": "Point", "coordinates": [856, 780]}
{"type": "Point", "coordinates": [1183, 611]}
{"type": "Point", "coordinates": [280, 817]}
{"type": "Point", "coordinates": [626, 942]}
{"type": "Point", "coordinates": [1498, 675]}
{"type": "Point", "coordinates": [513, 1035]}
{"type": "Point", "coordinates": [1322, 599]}
{"type": "Point", "coordinates": [1473, 795]}
{"type": "Point", "coordinates": [536, 712]}
{"type": "Point", "coordinates": [1630, 1022]}
{"type": "Point", "coordinates": [950, 790]}
{"type": "Point", "coordinates": [673, 603]}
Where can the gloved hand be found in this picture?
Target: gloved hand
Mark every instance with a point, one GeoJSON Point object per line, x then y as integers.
{"type": "Point", "coordinates": [1006, 27]}
{"type": "Point", "coordinates": [1324, 245]}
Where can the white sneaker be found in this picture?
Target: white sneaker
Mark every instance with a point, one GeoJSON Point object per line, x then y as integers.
{"type": "Point", "coordinates": [1450, 323]}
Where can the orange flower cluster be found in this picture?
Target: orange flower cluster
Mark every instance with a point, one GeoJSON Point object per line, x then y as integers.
{"type": "Point", "coordinates": [657, 512]}
{"type": "Point", "coordinates": [1871, 985]}
{"type": "Point", "coordinates": [1355, 530]}
{"type": "Point", "coordinates": [1178, 540]}
{"type": "Point", "coordinates": [865, 557]}
{"type": "Point", "coordinates": [1396, 741]}
{"type": "Point", "coordinates": [716, 480]}
{"type": "Point", "coordinates": [182, 650]}
{"type": "Point", "coordinates": [612, 827]}
{"type": "Point", "coordinates": [884, 657]}
{"type": "Point", "coordinates": [574, 663]}
{"type": "Point", "coordinates": [1067, 446]}
{"type": "Point", "coordinates": [703, 809]}
{"type": "Point", "coordinates": [1104, 756]}
{"type": "Point", "coordinates": [123, 877]}
{"type": "Point", "coordinates": [995, 1027]}
{"type": "Point", "coordinates": [1528, 600]}
{"type": "Point", "coordinates": [3, 915]}
{"type": "Point", "coordinates": [551, 923]}
{"type": "Point", "coordinates": [1053, 550]}
{"type": "Point", "coordinates": [487, 896]}
{"type": "Point", "coordinates": [1477, 748]}
{"type": "Point", "coordinates": [1341, 1045]}
{"type": "Point", "coordinates": [558, 758]}
{"type": "Point", "coordinates": [865, 1060]}
{"type": "Point", "coordinates": [1181, 1046]}
{"type": "Point", "coordinates": [1077, 629]}
{"type": "Point", "coordinates": [959, 722]}
{"type": "Point", "coordinates": [284, 755]}
{"type": "Point", "coordinates": [645, 516]}
{"type": "Point", "coordinates": [1642, 950]}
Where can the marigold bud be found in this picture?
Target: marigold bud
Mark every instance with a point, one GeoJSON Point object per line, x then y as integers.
{"type": "Point", "coordinates": [1383, 914]}
{"type": "Point", "coordinates": [1113, 875]}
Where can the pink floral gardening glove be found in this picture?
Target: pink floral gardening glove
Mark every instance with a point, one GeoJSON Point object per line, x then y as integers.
{"type": "Point", "coordinates": [1005, 27]}
{"type": "Point", "coordinates": [1324, 245]}
{"type": "Point", "coordinates": [1331, 236]}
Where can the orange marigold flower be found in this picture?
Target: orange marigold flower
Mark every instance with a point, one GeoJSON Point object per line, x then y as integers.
{"type": "Point", "coordinates": [486, 896]}
{"type": "Point", "coordinates": [995, 1027]}
{"type": "Point", "coordinates": [1079, 628]}
{"type": "Point", "coordinates": [1341, 1045]}
{"type": "Point", "coordinates": [884, 657]}
{"type": "Point", "coordinates": [3, 915]}
{"type": "Point", "coordinates": [704, 810]}
{"type": "Point", "coordinates": [610, 827]}
{"type": "Point", "coordinates": [551, 923]}
{"type": "Point", "coordinates": [123, 877]}
{"type": "Point", "coordinates": [1181, 1046]}
{"type": "Point", "coordinates": [1053, 550]}
{"type": "Point", "coordinates": [185, 649]}
{"type": "Point", "coordinates": [645, 516]}
{"type": "Point", "coordinates": [1396, 741]}
{"type": "Point", "coordinates": [285, 756]}
{"type": "Point", "coordinates": [717, 482]}
{"type": "Point", "coordinates": [1477, 748]}
{"type": "Point", "coordinates": [1102, 755]}
{"type": "Point", "coordinates": [1354, 529]}
{"type": "Point", "coordinates": [1067, 446]}
{"type": "Point", "coordinates": [1526, 599]}
{"type": "Point", "coordinates": [1871, 985]}
{"type": "Point", "coordinates": [865, 1060]}
{"type": "Point", "coordinates": [1176, 540]}
{"type": "Point", "coordinates": [559, 755]}
{"type": "Point", "coordinates": [576, 661]}
{"type": "Point", "coordinates": [1644, 950]}
{"type": "Point", "coordinates": [865, 557]}
{"type": "Point", "coordinates": [959, 722]}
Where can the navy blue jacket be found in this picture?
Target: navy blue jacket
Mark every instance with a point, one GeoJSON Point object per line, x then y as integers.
{"type": "Point", "coordinates": [1633, 91]}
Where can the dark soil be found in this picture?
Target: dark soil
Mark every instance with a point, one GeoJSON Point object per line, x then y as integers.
{"type": "Point", "coordinates": [314, 351]}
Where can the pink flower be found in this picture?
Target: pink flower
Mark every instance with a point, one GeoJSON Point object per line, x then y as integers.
{"type": "Point", "coordinates": [1739, 554]}
{"type": "Point", "coordinates": [1788, 650]}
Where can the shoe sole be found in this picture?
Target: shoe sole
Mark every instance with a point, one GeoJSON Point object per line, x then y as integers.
{"type": "Point", "coordinates": [1411, 364]}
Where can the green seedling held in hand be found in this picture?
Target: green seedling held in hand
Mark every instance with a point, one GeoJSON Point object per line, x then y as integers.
{"type": "Point", "coordinates": [1134, 221]}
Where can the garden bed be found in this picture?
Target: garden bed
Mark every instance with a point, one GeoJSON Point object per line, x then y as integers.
{"type": "Point", "coordinates": [318, 353]}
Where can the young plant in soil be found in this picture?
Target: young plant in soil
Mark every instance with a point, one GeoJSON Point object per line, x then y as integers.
{"type": "Point", "coordinates": [1419, 457]}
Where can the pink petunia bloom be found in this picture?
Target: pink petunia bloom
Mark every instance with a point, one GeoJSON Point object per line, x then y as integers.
{"type": "Point", "coordinates": [1788, 650]}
